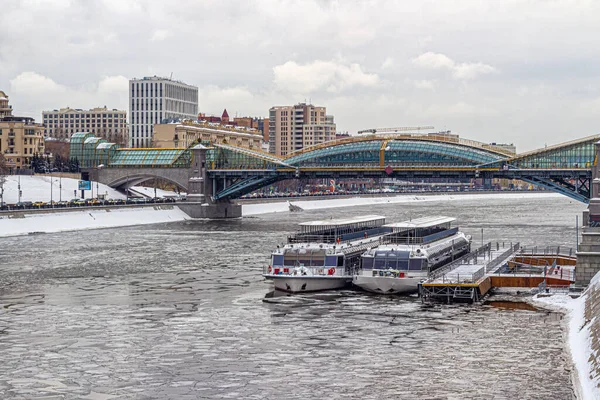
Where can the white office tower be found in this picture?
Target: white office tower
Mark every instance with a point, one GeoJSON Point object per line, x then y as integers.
{"type": "Point", "coordinates": [155, 99]}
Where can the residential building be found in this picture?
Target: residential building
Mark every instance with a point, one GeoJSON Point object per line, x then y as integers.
{"type": "Point", "coordinates": [109, 124]}
{"type": "Point", "coordinates": [20, 137]}
{"type": "Point", "coordinates": [183, 134]}
{"type": "Point", "coordinates": [292, 128]}
{"type": "Point", "coordinates": [510, 147]}
{"type": "Point", "coordinates": [154, 99]}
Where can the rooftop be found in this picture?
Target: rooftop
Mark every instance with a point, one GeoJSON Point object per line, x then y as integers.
{"type": "Point", "coordinates": [425, 222]}
{"type": "Point", "coordinates": [160, 78]}
{"type": "Point", "coordinates": [344, 221]}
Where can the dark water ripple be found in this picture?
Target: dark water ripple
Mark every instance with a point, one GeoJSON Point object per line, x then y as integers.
{"type": "Point", "coordinates": [178, 311]}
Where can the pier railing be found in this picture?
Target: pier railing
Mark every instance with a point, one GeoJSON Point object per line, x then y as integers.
{"type": "Point", "coordinates": [548, 251]}
{"type": "Point", "coordinates": [466, 259]}
{"type": "Point", "coordinates": [502, 257]}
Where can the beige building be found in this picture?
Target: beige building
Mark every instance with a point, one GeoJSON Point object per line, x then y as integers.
{"type": "Point", "coordinates": [292, 128]}
{"type": "Point", "coordinates": [20, 137]}
{"type": "Point", "coordinates": [108, 124]}
{"type": "Point", "coordinates": [182, 135]}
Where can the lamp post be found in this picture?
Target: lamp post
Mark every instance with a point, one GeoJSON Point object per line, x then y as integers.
{"type": "Point", "coordinates": [60, 188]}
{"type": "Point", "coordinates": [481, 237]}
{"type": "Point", "coordinates": [19, 187]}
{"type": "Point", "coordinates": [51, 184]}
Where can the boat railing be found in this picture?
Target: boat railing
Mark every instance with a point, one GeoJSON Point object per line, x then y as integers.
{"type": "Point", "coordinates": [341, 238]}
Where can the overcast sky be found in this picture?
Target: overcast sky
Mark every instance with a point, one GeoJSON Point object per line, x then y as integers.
{"type": "Point", "coordinates": [506, 71]}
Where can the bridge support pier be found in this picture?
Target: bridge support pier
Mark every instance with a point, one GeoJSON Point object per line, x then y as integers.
{"type": "Point", "coordinates": [588, 250]}
{"type": "Point", "coordinates": [199, 202]}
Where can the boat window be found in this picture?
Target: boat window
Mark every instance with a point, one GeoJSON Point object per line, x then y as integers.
{"type": "Point", "coordinates": [278, 259]}
{"type": "Point", "coordinates": [391, 262]}
{"type": "Point", "coordinates": [402, 265]}
{"type": "Point", "coordinates": [415, 265]}
{"type": "Point", "coordinates": [379, 263]}
{"type": "Point", "coordinates": [340, 261]}
{"type": "Point", "coordinates": [331, 261]}
{"type": "Point", "coordinates": [367, 262]}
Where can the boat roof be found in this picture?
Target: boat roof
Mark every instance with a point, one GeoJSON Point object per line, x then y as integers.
{"type": "Point", "coordinates": [424, 222]}
{"type": "Point", "coordinates": [343, 221]}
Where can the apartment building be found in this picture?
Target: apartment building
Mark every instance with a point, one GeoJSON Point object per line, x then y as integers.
{"type": "Point", "coordinates": [185, 133]}
{"type": "Point", "coordinates": [111, 125]}
{"type": "Point", "coordinates": [20, 137]}
{"type": "Point", "coordinates": [154, 99]}
{"type": "Point", "coordinates": [292, 128]}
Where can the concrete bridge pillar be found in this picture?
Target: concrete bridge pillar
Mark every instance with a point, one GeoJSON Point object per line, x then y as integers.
{"type": "Point", "coordinates": [588, 251]}
{"type": "Point", "coordinates": [200, 202]}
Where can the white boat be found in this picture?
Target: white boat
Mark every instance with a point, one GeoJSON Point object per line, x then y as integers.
{"type": "Point", "coordinates": [417, 247]}
{"type": "Point", "coordinates": [324, 255]}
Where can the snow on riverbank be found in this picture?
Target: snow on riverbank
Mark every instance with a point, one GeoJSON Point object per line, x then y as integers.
{"type": "Point", "coordinates": [283, 206]}
{"type": "Point", "coordinates": [37, 188]}
{"type": "Point", "coordinates": [88, 219]}
{"type": "Point", "coordinates": [583, 334]}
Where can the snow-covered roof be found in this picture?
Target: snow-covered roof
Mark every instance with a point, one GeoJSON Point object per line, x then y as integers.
{"type": "Point", "coordinates": [425, 222]}
{"type": "Point", "coordinates": [332, 223]}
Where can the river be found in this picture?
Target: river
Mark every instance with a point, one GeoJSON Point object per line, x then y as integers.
{"type": "Point", "coordinates": [180, 311]}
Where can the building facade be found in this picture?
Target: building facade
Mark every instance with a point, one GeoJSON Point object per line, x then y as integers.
{"type": "Point", "coordinates": [20, 137]}
{"type": "Point", "coordinates": [154, 99]}
{"type": "Point", "coordinates": [101, 121]}
{"type": "Point", "coordinates": [292, 128]}
{"type": "Point", "coordinates": [184, 134]}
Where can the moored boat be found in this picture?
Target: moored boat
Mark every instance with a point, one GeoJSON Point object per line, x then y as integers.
{"type": "Point", "coordinates": [413, 249]}
{"type": "Point", "coordinates": [324, 255]}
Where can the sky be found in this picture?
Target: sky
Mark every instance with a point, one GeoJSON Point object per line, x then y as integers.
{"type": "Point", "coordinates": [523, 72]}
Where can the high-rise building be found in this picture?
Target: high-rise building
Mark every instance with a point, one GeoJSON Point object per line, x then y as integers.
{"type": "Point", "coordinates": [20, 137]}
{"type": "Point", "coordinates": [292, 128]}
{"type": "Point", "coordinates": [154, 99]}
{"type": "Point", "coordinates": [101, 121]}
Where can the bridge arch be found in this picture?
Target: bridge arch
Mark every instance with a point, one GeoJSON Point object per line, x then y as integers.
{"type": "Point", "coordinates": [377, 151]}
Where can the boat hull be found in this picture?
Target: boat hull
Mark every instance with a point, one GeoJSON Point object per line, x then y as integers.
{"type": "Point", "coordinates": [301, 284]}
{"type": "Point", "coordinates": [387, 285]}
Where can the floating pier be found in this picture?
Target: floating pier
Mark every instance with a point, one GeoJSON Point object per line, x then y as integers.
{"type": "Point", "coordinates": [471, 277]}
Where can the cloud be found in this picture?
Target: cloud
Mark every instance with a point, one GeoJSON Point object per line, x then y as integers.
{"type": "Point", "coordinates": [160, 35]}
{"type": "Point", "coordinates": [424, 84]}
{"type": "Point", "coordinates": [31, 90]}
{"type": "Point", "coordinates": [30, 83]}
{"type": "Point", "coordinates": [113, 84]}
{"type": "Point", "coordinates": [387, 63]}
{"type": "Point", "coordinates": [330, 76]}
{"type": "Point", "coordinates": [462, 71]}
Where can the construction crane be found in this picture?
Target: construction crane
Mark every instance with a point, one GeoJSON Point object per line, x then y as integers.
{"type": "Point", "coordinates": [399, 129]}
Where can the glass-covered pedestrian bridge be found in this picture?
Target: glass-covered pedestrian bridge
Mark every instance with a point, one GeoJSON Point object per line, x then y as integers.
{"type": "Point", "coordinates": [354, 153]}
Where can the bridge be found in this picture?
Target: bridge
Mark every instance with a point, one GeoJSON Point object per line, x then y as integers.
{"type": "Point", "coordinates": [222, 172]}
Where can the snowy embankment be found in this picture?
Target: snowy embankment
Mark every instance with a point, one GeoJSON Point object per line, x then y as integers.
{"type": "Point", "coordinates": [283, 206]}
{"type": "Point", "coordinates": [583, 335]}
{"type": "Point", "coordinates": [16, 224]}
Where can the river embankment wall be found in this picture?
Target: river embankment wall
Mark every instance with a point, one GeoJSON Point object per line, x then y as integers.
{"type": "Point", "coordinates": [583, 335]}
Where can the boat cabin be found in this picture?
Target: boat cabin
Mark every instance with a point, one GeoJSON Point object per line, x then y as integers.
{"type": "Point", "coordinates": [415, 235]}
{"type": "Point", "coordinates": [340, 230]}
{"type": "Point", "coordinates": [422, 230]}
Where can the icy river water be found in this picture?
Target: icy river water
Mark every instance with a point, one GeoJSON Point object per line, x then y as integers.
{"type": "Point", "coordinates": [180, 311]}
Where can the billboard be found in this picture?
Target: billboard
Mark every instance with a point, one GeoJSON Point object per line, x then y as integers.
{"type": "Point", "coordinates": [85, 185]}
